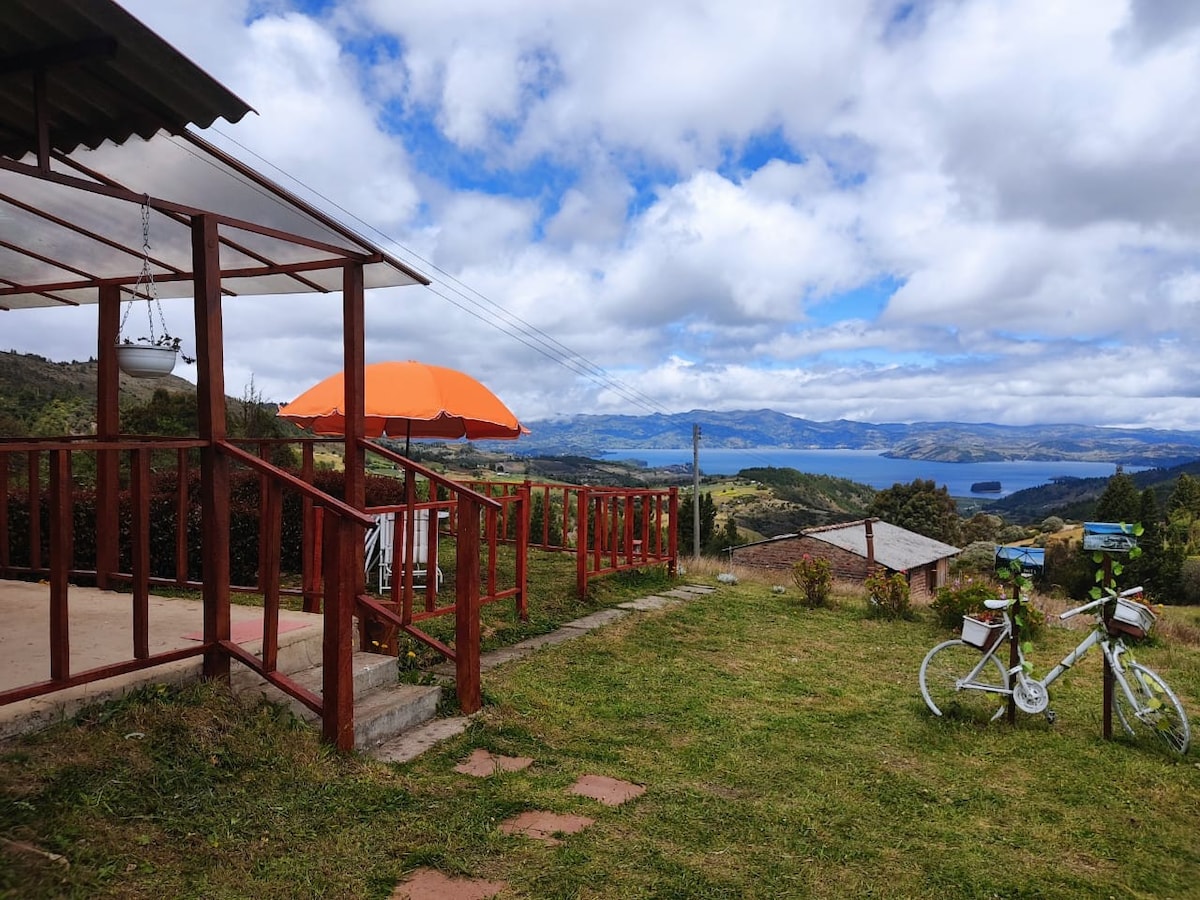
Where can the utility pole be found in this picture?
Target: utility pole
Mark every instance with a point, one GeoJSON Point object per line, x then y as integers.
{"type": "Point", "coordinates": [696, 491]}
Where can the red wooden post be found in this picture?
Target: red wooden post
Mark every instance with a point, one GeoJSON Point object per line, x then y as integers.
{"type": "Point", "coordinates": [61, 533]}
{"type": "Point", "coordinates": [181, 517]}
{"type": "Point", "coordinates": [522, 563]}
{"type": "Point", "coordinates": [108, 428]}
{"type": "Point", "coordinates": [214, 465]}
{"type": "Point", "coordinates": [466, 608]}
{"type": "Point", "coordinates": [5, 459]}
{"type": "Point", "coordinates": [629, 528]}
{"type": "Point", "coordinates": [337, 649]}
{"type": "Point", "coordinates": [354, 356]}
{"type": "Point", "coordinates": [310, 539]}
{"type": "Point", "coordinates": [270, 525]}
{"type": "Point", "coordinates": [139, 480]}
{"type": "Point", "coordinates": [673, 534]}
{"type": "Point", "coordinates": [581, 542]}
{"type": "Point", "coordinates": [35, 509]}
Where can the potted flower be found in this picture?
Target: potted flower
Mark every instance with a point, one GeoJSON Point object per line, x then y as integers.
{"type": "Point", "coordinates": [982, 629]}
{"type": "Point", "coordinates": [148, 357]}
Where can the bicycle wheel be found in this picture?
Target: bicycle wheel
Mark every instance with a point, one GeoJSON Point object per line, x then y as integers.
{"type": "Point", "coordinates": [948, 663]}
{"type": "Point", "coordinates": [1158, 712]}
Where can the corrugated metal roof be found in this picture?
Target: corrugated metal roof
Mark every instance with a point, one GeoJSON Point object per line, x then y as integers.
{"type": "Point", "coordinates": [71, 222]}
{"type": "Point", "coordinates": [107, 77]}
{"type": "Point", "coordinates": [897, 548]}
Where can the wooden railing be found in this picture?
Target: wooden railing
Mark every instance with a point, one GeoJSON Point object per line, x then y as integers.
{"type": "Point", "coordinates": [607, 529]}
{"type": "Point", "coordinates": [473, 520]}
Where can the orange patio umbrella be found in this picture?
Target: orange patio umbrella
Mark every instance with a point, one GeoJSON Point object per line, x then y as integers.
{"type": "Point", "coordinates": [410, 400]}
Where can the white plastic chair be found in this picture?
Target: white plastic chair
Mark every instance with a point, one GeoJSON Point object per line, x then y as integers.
{"type": "Point", "coordinates": [380, 551]}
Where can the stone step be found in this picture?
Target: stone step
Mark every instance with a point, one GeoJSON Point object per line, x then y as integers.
{"type": "Point", "coordinates": [387, 712]}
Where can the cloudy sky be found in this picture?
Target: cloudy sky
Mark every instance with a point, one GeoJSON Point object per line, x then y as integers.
{"type": "Point", "coordinates": [979, 210]}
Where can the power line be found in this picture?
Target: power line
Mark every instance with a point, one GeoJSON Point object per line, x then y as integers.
{"type": "Point", "coordinates": [510, 324]}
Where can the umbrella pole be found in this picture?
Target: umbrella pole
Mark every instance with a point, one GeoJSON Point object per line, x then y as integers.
{"type": "Point", "coordinates": [407, 438]}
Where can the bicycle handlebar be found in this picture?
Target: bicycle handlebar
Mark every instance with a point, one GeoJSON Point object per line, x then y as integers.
{"type": "Point", "coordinates": [1077, 610]}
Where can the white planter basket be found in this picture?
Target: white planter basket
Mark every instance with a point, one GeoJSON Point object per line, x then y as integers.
{"type": "Point", "coordinates": [146, 360]}
{"type": "Point", "coordinates": [981, 634]}
{"type": "Point", "coordinates": [1131, 618]}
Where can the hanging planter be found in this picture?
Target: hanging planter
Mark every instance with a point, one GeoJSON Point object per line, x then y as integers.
{"type": "Point", "coordinates": [153, 356]}
{"type": "Point", "coordinates": [148, 360]}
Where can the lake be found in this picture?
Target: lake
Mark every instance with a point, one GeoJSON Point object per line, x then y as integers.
{"type": "Point", "coordinates": [868, 467]}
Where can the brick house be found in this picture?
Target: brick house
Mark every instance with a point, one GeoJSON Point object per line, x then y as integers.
{"type": "Point", "coordinates": [855, 549]}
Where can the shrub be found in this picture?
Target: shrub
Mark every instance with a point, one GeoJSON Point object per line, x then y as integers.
{"type": "Point", "coordinates": [1051, 524]}
{"type": "Point", "coordinates": [952, 603]}
{"type": "Point", "coordinates": [814, 577]}
{"type": "Point", "coordinates": [1189, 580]}
{"type": "Point", "coordinates": [888, 596]}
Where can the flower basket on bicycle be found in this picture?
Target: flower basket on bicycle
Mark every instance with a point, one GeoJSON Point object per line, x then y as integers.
{"type": "Point", "coordinates": [979, 633]}
{"type": "Point", "coordinates": [1130, 618]}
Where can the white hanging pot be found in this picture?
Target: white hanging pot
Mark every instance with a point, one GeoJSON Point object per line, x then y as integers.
{"type": "Point", "coordinates": [146, 360]}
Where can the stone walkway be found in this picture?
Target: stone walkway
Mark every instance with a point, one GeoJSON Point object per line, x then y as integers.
{"type": "Point", "coordinates": [538, 825]}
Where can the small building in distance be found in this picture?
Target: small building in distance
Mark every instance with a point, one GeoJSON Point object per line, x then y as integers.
{"type": "Point", "coordinates": [855, 550]}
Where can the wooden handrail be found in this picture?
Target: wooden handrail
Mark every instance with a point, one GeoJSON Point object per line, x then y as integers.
{"type": "Point", "coordinates": [454, 486]}
{"type": "Point", "coordinates": [343, 510]}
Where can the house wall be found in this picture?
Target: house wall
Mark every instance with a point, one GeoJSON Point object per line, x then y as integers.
{"type": "Point", "coordinates": [783, 554]}
{"type": "Point", "coordinates": [923, 581]}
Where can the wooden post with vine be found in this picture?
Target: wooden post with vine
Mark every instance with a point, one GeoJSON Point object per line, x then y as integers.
{"type": "Point", "coordinates": [1109, 681]}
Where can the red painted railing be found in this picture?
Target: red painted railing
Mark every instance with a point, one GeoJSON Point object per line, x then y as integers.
{"type": "Point", "coordinates": [145, 537]}
{"type": "Point", "coordinates": [608, 529]}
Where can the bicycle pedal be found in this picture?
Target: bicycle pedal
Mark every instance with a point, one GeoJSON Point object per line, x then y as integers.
{"type": "Point", "coordinates": [1051, 716]}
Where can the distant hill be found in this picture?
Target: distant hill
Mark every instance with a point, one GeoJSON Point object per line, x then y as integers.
{"type": "Point", "coordinates": [935, 441]}
{"type": "Point", "coordinates": [1075, 498]}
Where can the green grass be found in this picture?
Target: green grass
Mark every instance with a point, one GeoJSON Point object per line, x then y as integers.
{"type": "Point", "coordinates": [786, 753]}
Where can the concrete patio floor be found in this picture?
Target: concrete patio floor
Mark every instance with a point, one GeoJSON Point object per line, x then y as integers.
{"type": "Point", "coordinates": [101, 632]}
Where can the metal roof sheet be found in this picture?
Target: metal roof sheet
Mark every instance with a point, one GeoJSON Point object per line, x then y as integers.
{"type": "Point", "coordinates": [897, 548]}
{"type": "Point", "coordinates": [71, 221]}
{"type": "Point", "coordinates": [106, 77]}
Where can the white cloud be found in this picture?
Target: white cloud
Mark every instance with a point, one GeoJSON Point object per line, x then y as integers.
{"type": "Point", "coordinates": [701, 197]}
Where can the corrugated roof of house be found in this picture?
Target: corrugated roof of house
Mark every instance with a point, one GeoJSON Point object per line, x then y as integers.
{"type": "Point", "coordinates": [896, 548]}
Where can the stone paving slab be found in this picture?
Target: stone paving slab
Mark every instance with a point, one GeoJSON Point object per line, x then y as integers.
{"type": "Point", "coordinates": [609, 791]}
{"type": "Point", "coordinates": [597, 619]}
{"type": "Point", "coordinates": [482, 763]}
{"type": "Point", "coordinates": [430, 884]}
{"type": "Point", "coordinates": [561, 636]}
{"type": "Point", "coordinates": [697, 588]}
{"type": "Point", "coordinates": [679, 594]}
{"type": "Point", "coordinates": [412, 744]}
{"type": "Point", "coordinates": [648, 604]}
{"type": "Point", "coordinates": [545, 826]}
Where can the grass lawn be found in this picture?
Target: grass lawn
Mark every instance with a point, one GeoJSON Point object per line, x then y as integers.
{"type": "Point", "coordinates": [785, 752]}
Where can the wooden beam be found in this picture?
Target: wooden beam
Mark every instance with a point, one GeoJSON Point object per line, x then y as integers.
{"type": "Point", "coordinates": [354, 341]}
{"type": "Point", "coordinates": [214, 465]}
{"type": "Point", "coordinates": [108, 428]}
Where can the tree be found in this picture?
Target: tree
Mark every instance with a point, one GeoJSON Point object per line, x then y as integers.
{"type": "Point", "coordinates": [1185, 498]}
{"type": "Point", "coordinates": [708, 520]}
{"type": "Point", "coordinates": [981, 527]}
{"type": "Point", "coordinates": [724, 539]}
{"type": "Point", "coordinates": [165, 413]}
{"type": "Point", "coordinates": [1120, 501]}
{"type": "Point", "coordinates": [920, 506]}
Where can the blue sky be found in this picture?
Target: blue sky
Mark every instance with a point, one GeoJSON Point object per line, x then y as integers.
{"type": "Point", "coordinates": [982, 210]}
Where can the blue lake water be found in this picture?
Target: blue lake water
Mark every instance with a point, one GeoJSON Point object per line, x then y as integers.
{"type": "Point", "coordinates": [868, 467]}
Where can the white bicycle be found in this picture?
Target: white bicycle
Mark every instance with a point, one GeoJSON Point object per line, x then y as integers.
{"type": "Point", "coordinates": [966, 679]}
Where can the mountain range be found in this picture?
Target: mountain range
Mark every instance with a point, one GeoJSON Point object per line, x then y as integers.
{"type": "Point", "coordinates": [935, 441]}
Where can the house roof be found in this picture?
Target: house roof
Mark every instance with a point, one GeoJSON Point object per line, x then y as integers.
{"type": "Point", "coordinates": [106, 77]}
{"type": "Point", "coordinates": [894, 547]}
{"type": "Point", "coordinates": [70, 205]}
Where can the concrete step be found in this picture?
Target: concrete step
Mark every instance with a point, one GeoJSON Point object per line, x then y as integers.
{"type": "Point", "coordinates": [387, 712]}
{"type": "Point", "coordinates": [383, 708]}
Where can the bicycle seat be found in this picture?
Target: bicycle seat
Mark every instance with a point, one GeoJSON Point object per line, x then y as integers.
{"type": "Point", "coordinates": [995, 604]}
